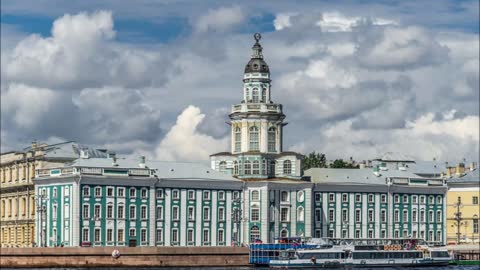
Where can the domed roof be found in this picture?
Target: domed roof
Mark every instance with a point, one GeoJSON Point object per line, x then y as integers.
{"type": "Point", "coordinates": [256, 63]}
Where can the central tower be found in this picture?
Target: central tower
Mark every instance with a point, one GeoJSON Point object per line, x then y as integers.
{"type": "Point", "coordinates": [257, 129]}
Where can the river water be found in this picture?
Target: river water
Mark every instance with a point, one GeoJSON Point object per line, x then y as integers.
{"type": "Point", "coordinates": [457, 267]}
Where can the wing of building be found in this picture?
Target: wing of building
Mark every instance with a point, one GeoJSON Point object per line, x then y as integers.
{"type": "Point", "coordinates": [17, 196]}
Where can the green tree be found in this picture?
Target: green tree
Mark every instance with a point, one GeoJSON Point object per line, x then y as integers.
{"type": "Point", "coordinates": [338, 163]}
{"type": "Point", "coordinates": [314, 160]}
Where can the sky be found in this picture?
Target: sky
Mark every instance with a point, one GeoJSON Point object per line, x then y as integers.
{"type": "Point", "coordinates": [158, 78]}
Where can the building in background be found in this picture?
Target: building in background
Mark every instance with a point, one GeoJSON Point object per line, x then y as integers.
{"type": "Point", "coordinates": [463, 208]}
{"type": "Point", "coordinates": [17, 195]}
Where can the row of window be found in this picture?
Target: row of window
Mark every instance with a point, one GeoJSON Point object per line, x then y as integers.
{"type": "Point", "coordinates": [383, 216]}
{"type": "Point", "coordinates": [383, 198]}
{"type": "Point", "coordinates": [17, 207]}
{"type": "Point", "coordinates": [284, 196]}
{"type": "Point", "coordinates": [120, 237]}
{"type": "Point", "coordinates": [254, 139]}
{"type": "Point", "coordinates": [383, 234]}
{"type": "Point", "coordinates": [253, 167]}
{"type": "Point", "coordinates": [255, 95]}
{"type": "Point", "coordinates": [159, 193]}
{"type": "Point", "coordinates": [8, 174]}
{"type": "Point", "coordinates": [97, 212]}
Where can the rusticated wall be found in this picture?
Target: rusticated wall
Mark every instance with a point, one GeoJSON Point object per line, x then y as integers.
{"type": "Point", "coordinates": [129, 256]}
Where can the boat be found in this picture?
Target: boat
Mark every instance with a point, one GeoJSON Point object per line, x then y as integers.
{"type": "Point", "coordinates": [331, 253]}
{"type": "Point", "coordinates": [261, 254]}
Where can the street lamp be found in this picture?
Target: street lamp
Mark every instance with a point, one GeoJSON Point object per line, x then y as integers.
{"type": "Point", "coordinates": [237, 219]}
{"type": "Point", "coordinates": [42, 213]}
{"type": "Point", "coordinates": [458, 218]}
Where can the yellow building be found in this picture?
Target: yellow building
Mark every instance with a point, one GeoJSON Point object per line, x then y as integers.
{"type": "Point", "coordinates": [17, 196]}
{"type": "Point", "coordinates": [463, 208]}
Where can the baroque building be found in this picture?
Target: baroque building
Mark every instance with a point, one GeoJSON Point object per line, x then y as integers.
{"type": "Point", "coordinates": [17, 194]}
{"type": "Point", "coordinates": [257, 129]}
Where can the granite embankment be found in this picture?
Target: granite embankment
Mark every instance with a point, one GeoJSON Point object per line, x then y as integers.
{"type": "Point", "coordinates": [128, 256]}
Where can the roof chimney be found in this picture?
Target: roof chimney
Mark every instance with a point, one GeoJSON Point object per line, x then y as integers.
{"type": "Point", "coordinates": [142, 162]}
{"type": "Point", "coordinates": [83, 153]}
{"type": "Point", "coordinates": [472, 166]}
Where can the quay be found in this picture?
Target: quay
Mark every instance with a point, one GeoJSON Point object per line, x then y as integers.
{"type": "Point", "coordinates": [128, 257]}
{"type": "Point", "coordinates": [465, 254]}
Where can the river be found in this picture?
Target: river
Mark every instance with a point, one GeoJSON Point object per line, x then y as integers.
{"type": "Point", "coordinates": [457, 267]}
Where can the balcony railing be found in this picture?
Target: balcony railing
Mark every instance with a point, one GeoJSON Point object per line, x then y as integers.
{"type": "Point", "coordinates": [257, 107]}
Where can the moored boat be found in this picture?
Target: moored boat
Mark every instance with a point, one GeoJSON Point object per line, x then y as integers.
{"type": "Point", "coordinates": [330, 253]}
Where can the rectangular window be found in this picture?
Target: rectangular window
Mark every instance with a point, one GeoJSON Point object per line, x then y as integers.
{"type": "Point", "coordinates": [430, 216]}
{"type": "Point", "coordinates": [120, 212]}
{"type": "Point", "coordinates": [284, 214]}
{"type": "Point", "coordinates": [221, 195]}
{"type": "Point", "coordinates": [132, 212]}
{"type": "Point", "coordinates": [175, 194]}
{"type": "Point", "coordinates": [206, 195]}
{"type": "Point", "coordinates": [284, 196]}
{"type": "Point", "coordinates": [357, 234]}
{"type": "Point", "coordinates": [143, 235]}
{"type": "Point", "coordinates": [344, 198]}
{"type": "Point", "coordinates": [97, 211]}
{"type": "Point", "coordinates": [475, 225]}
{"type": "Point", "coordinates": [221, 214]}
{"type": "Point", "coordinates": [475, 199]}
{"type": "Point", "coordinates": [383, 198]}
{"type": "Point", "coordinates": [175, 214]}
{"type": "Point", "coordinates": [191, 195]}
{"type": "Point", "coordinates": [370, 215]}
{"type": "Point", "coordinates": [143, 212]}
{"type": "Point", "coordinates": [98, 192]}
{"type": "Point", "coordinates": [144, 193]}
{"type": "Point", "coordinates": [383, 234]}
{"type": "Point", "coordinates": [132, 233]}
{"type": "Point", "coordinates": [430, 236]}
{"type": "Point", "coordinates": [331, 215]}
{"type": "Point", "coordinates": [109, 235]}
{"type": "Point", "coordinates": [331, 197]}
{"type": "Point", "coordinates": [159, 212]}
{"type": "Point", "coordinates": [439, 216]}
{"type": "Point", "coordinates": [206, 213]}
{"type": "Point", "coordinates": [190, 236]}
{"type": "Point", "coordinates": [405, 199]}
{"type": "Point", "coordinates": [85, 235]}
{"type": "Point", "coordinates": [109, 211]}
{"type": "Point", "coordinates": [370, 198]}
{"type": "Point", "coordinates": [318, 233]}
{"type": "Point", "coordinates": [422, 216]}
{"type": "Point", "coordinates": [236, 195]}
{"type": "Point", "coordinates": [133, 193]}
{"type": "Point", "coordinates": [86, 192]}
{"type": "Point", "coordinates": [422, 199]}
{"type": "Point", "coordinates": [414, 199]}
{"type": "Point", "coordinates": [396, 199]}
{"type": "Point", "coordinates": [221, 238]}
{"type": "Point", "coordinates": [414, 215]}
{"type": "Point", "coordinates": [318, 215]}
{"type": "Point", "coordinates": [159, 235]}
{"type": "Point", "coordinates": [255, 214]}
{"type": "Point", "coordinates": [120, 236]}
{"type": "Point", "coordinates": [370, 234]}
{"type": "Point", "coordinates": [396, 234]}
{"type": "Point", "coordinates": [344, 233]}
{"type": "Point", "coordinates": [191, 213]}
{"type": "Point", "coordinates": [405, 233]}
{"type": "Point", "coordinates": [358, 198]}
{"type": "Point", "coordinates": [121, 192]}
{"type": "Point", "coordinates": [86, 211]}
{"type": "Point", "coordinates": [318, 197]}
{"type": "Point", "coordinates": [206, 236]}
{"type": "Point", "coordinates": [344, 215]}
{"type": "Point", "coordinates": [96, 235]}
{"type": "Point", "coordinates": [110, 192]}
{"type": "Point", "coordinates": [383, 216]}
{"type": "Point", "coordinates": [358, 215]}
{"type": "Point", "coordinates": [396, 216]}
{"type": "Point", "coordinates": [159, 193]}
{"type": "Point", "coordinates": [439, 236]}
{"type": "Point", "coordinates": [405, 216]}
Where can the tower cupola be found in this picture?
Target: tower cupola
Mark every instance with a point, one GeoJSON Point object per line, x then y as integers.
{"type": "Point", "coordinates": [256, 63]}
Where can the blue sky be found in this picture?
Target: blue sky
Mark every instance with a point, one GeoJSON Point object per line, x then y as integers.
{"type": "Point", "coordinates": [357, 78]}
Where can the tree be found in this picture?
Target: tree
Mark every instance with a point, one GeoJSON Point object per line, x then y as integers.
{"type": "Point", "coordinates": [314, 160]}
{"type": "Point", "coordinates": [339, 163]}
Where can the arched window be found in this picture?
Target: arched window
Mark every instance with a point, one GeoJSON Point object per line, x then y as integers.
{"type": "Point", "coordinates": [255, 195]}
{"type": "Point", "coordinates": [222, 166]}
{"type": "Point", "coordinates": [254, 234]}
{"type": "Point", "coordinates": [255, 95]}
{"type": "Point", "coordinates": [253, 138]}
{"type": "Point", "coordinates": [264, 95]}
{"type": "Point", "coordinates": [235, 167]}
{"type": "Point", "coordinates": [256, 167]}
{"type": "Point", "coordinates": [300, 214]}
{"type": "Point", "coordinates": [247, 94]}
{"type": "Point", "coordinates": [238, 139]}
{"type": "Point", "coordinates": [271, 140]}
{"type": "Point", "coordinates": [264, 167]}
{"type": "Point", "coordinates": [272, 168]}
{"type": "Point", "coordinates": [284, 233]}
{"type": "Point", "coordinates": [248, 167]}
{"type": "Point", "coordinates": [287, 167]}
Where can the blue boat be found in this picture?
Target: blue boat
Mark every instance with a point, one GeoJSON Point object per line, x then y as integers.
{"type": "Point", "coordinates": [262, 254]}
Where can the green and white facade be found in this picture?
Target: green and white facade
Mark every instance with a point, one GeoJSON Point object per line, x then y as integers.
{"type": "Point", "coordinates": [99, 203]}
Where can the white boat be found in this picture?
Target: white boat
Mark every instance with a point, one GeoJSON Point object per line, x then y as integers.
{"type": "Point", "coordinates": [331, 253]}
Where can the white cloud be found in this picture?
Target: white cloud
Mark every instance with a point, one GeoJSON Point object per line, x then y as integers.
{"type": "Point", "coordinates": [184, 142]}
{"type": "Point", "coordinates": [282, 21]}
{"type": "Point", "coordinates": [220, 19]}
